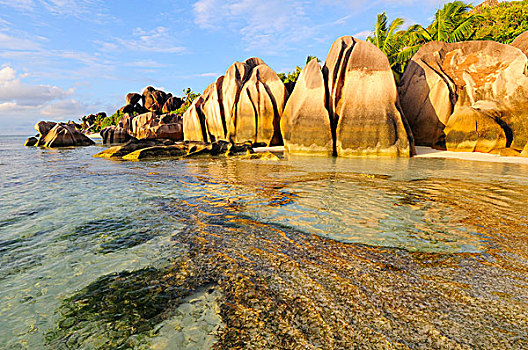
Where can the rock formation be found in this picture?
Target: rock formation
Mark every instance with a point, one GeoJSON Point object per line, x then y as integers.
{"type": "Point", "coordinates": [152, 126]}
{"type": "Point", "coordinates": [53, 134]}
{"type": "Point", "coordinates": [133, 98]}
{"type": "Point", "coordinates": [245, 105]}
{"type": "Point", "coordinates": [349, 107]}
{"type": "Point", "coordinates": [114, 134]}
{"type": "Point", "coordinates": [172, 104]}
{"type": "Point", "coordinates": [469, 96]}
{"type": "Point", "coordinates": [305, 123]}
{"type": "Point", "coordinates": [521, 42]}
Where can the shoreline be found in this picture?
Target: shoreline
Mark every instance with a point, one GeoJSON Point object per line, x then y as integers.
{"type": "Point", "coordinates": [427, 152]}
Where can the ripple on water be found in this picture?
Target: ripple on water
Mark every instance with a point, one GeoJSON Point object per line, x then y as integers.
{"type": "Point", "coordinates": [99, 252]}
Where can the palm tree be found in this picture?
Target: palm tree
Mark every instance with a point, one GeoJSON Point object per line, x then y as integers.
{"type": "Point", "coordinates": [390, 41]}
{"type": "Point", "coordinates": [384, 37]}
{"type": "Point", "coordinates": [452, 23]}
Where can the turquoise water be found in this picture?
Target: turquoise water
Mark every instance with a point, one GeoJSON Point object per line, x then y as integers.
{"type": "Point", "coordinates": [68, 219]}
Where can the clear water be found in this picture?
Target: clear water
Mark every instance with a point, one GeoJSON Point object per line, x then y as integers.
{"type": "Point", "coordinates": [68, 219]}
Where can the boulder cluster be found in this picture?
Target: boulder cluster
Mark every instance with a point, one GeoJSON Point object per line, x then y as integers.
{"type": "Point", "coordinates": [244, 105]}
{"type": "Point", "coordinates": [349, 107]}
{"type": "Point", "coordinates": [151, 100]}
{"type": "Point", "coordinates": [53, 134]}
{"type": "Point", "coordinates": [469, 96]}
{"type": "Point", "coordinates": [153, 118]}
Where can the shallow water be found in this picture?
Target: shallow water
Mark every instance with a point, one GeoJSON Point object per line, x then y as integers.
{"type": "Point", "coordinates": [385, 253]}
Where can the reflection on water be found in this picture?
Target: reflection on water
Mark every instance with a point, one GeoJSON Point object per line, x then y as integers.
{"type": "Point", "coordinates": [302, 253]}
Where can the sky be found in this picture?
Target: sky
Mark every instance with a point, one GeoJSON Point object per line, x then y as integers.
{"type": "Point", "coordinates": [62, 59]}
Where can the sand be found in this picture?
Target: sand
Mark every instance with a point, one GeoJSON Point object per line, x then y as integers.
{"type": "Point", "coordinates": [427, 152]}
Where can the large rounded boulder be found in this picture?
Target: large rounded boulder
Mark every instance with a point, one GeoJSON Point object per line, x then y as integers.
{"type": "Point", "coordinates": [521, 42]}
{"type": "Point", "coordinates": [60, 135]}
{"type": "Point", "coordinates": [152, 126]}
{"type": "Point", "coordinates": [349, 107]}
{"type": "Point", "coordinates": [305, 123]}
{"type": "Point", "coordinates": [468, 96]}
{"type": "Point", "coordinates": [245, 105]}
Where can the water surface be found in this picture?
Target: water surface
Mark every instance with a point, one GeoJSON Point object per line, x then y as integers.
{"type": "Point", "coordinates": [306, 252]}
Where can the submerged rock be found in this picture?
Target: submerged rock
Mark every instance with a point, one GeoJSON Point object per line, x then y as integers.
{"type": "Point", "coordinates": [460, 96]}
{"type": "Point", "coordinates": [129, 147]}
{"type": "Point", "coordinates": [171, 151]}
{"type": "Point", "coordinates": [32, 141]}
{"type": "Point", "coordinates": [348, 108]}
{"type": "Point", "coordinates": [157, 149]}
{"type": "Point", "coordinates": [245, 105]}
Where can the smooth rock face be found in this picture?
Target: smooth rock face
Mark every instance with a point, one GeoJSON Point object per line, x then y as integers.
{"type": "Point", "coordinates": [194, 127]}
{"type": "Point", "coordinates": [364, 102]}
{"type": "Point", "coordinates": [63, 135]}
{"type": "Point", "coordinates": [32, 141]}
{"type": "Point", "coordinates": [155, 100]}
{"type": "Point", "coordinates": [126, 123]}
{"type": "Point", "coordinates": [133, 98]}
{"type": "Point", "coordinates": [259, 108]}
{"type": "Point", "coordinates": [212, 110]}
{"type": "Point", "coordinates": [305, 123]}
{"type": "Point", "coordinates": [521, 42]}
{"type": "Point", "coordinates": [444, 81]}
{"type": "Point", "coordinates": [349, 108]}
{"type": "Point", "coordinates": [172, 104]}
{"type": "Point", "coordinates": [152, 126]}
{"type": "Point", "coordinates": [470, 130]}
{"type": "Point", "coordinates": [245, 105]}
{"type": "Point", "coordinates": [44, 127]}
{"type": "Point", "coordinates": [114, 134]}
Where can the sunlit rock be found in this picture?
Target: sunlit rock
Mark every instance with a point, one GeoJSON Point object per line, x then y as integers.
{"type": "Point", "coordinates": [245, 105]}
{"type": "Point", "coordinates": [350, 108]}
{"type": "Point", "coordinates": [479, 82]}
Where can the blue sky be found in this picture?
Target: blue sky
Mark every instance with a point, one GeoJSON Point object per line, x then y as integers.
{"type": "Point", "coordinates": [62, 59]}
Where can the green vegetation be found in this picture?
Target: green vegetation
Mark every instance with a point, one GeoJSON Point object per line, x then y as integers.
{"type": "Point", "coordinates": [504, 22]}
{"type": "Point", "coordinates": [291, 77]}
{"type": "Point", "coordinates": [188, 100]}
{"type": "Point", "coordinates": [456, 21]}
{"type": "Point", "coordinates": [112, 120]}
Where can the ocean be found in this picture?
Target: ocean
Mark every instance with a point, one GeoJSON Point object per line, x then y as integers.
{"type": "Point", "coordinates": [305, 252]}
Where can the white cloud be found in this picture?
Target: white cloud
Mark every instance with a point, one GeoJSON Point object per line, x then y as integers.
{"type": "Point", "coordinates": [264, 25]}
{"type": "Point", "coordinates": [363, 35]}
{"type": "Point", "coordinates": [22, 103]}
{"type": "Point", "coordinates": [206, 75]}
{"type": "Point", "coordinates": [158, 40]}
{"type": "Point", "coordinates": [8, 42]}
{"type": "Point", "coordinates": [7, 73]}
{"type": "Point", "coordinates": [24, 5]}
{"type": "Point", "coordinates": [69, 109]}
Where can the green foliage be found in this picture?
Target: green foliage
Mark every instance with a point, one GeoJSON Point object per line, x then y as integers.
{"type": "Point", "coordinates": [504, 22]}
{"type": "Point", "coordinates": [113, 120]}
{"type": "Point", "coordinates": [391, 42]}
{"type": "Point", "coordinates": [188, 100]}
{"type": "Point", "coordinates": [456, 21]}
{"type": "Point", "coordinates": [293, 76]}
